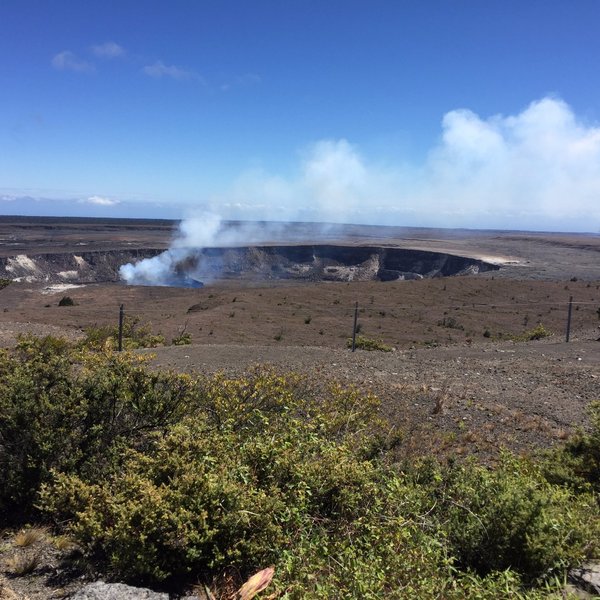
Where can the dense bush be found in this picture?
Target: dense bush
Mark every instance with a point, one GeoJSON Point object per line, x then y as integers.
{"type": "Point", "coordinates": [252, 473]}
{"type": "Point", "coordinates": [539, 332]}
{"type": "Point", "coordinates": [182, 339]}
{"type": "Point", "coordinates": [73, 412]}
{"type": "Point", "coordinates": [513, 518]}
{"type": "Point", "coordinates": [577, 464]}
{"type": "Point", "coordinates": [160, 476]}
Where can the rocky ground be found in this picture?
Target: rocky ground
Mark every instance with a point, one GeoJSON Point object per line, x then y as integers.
{"type": "Point", "coordinates": [463, 399]}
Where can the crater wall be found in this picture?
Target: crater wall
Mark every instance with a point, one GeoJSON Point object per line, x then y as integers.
{"type": "Point", "coordinates": [297, 262]}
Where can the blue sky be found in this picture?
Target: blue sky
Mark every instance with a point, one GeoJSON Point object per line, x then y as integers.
{"type": "Point", "coordinates": [477, 113]}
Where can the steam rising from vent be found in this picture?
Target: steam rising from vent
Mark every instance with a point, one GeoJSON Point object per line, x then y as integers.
{"type": "Point", "coordinates": [182, 264]}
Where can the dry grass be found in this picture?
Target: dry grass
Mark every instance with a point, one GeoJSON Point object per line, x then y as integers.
{"type": "Point", "coordinates": [64, 543]}
{"type": "Point", "coordinates": [22, 564]}
{"type": "Point", "coordinates": [440, 398]}
{"type": "Point", "coordinates": [561, 434]}
{"type": "Point", "coordinates": [27, 537]}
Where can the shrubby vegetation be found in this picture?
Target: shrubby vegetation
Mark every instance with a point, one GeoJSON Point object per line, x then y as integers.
{"type": "Point", "coordinates": [160, 477]}
{"type": "Point", "coordinates": [182, 339]}
{"type": "Point", "coordinates": [74, 411]}
{"type": "Point", "coordinates": [364, 343]}
{"type": "Point", "coordinates": [135, 335]}
{"type": "Point", "coordinates": [577, 464]}
{"type": "Point", "coordinates": [66, 301]}
{"type": "Point", "coordinates": [539, 332]}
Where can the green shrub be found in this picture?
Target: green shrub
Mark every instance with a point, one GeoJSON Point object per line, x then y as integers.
{"type": "Point", "coordinates": [4, 282]}
{"type": "Point", "coordinates": [513, 518]}
{"type": "Point", "coordinates": [66, 301]}
{"type": "Point", "coordinates": [577, 464]}
{"type": "Point", "coordinates": [159, 476]}
{"type": "Point", "coordinates": [233, 484]}
{"type": "Point", "coordinates": [73, 412]}
{"type": "Point", "coordinates": [585, 448]}
{"type": "Point", "coordinates": [135, 335]}
{"type": "Point", "coordinates": [263, 470]}
{"type": "Point", "coordinates": [537, 333]}
{"type": "Point", "coordinates": [365, 343]}
{"type": "Point", "coordinates": [182, 339]}
{"type": "Point", "coordinates": [450, 323]}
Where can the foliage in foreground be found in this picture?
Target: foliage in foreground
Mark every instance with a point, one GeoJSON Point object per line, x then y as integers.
{"type": "Point", "coordinates": [160, 476]}
{"type": "Point", "coordinates": [74, 412]}
{"type": "Point", "coordinates": [577, 464]}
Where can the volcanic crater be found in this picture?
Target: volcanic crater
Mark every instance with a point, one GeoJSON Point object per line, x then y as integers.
{"type": "Point", "coordinates": [191, 267]}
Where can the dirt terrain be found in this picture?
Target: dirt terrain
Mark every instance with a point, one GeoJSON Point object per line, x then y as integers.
{"type": "Point", "coordinates": [460, 378]}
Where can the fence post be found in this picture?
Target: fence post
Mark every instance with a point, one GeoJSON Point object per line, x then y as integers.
{"type": "Point", "coordinates": [121, 312]}
{"type": "Point", "coordinates": [354, 328]}
{"type": "Point", "coordinates": [569, 318]}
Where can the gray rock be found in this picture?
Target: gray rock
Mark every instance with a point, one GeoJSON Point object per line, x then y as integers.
{"type": "Point", "coordinates": [587, 577]}
{"type": "Point", "coordinates": [116, 591]}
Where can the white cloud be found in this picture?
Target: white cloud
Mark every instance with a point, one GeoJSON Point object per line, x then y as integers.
{"type": "Point", "coordinates": [542, 162]}
{"type": "Point", "coordinates": [100, 201]}
{"type": "Point", "coordinates": [333, 182]}
{"type": "Point", "coordinates": [536, 169]}
{"type": "Point", "coordinates": [159, 70]}
{"type": "Point", "coordinates": [242, 81]}
{"type": "Point", "coordinates": [67, 61]}
{"type": "Point", "coordinates": [108, 50]}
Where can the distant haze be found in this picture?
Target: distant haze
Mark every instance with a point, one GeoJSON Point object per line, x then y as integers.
{"type": "Point", "coordinates": [536, 170]}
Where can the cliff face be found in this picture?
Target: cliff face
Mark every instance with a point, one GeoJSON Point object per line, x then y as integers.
{"type": "Point", "coordinates": [308, 262]}
{"type": "Point", "coordinates": [85, 267]}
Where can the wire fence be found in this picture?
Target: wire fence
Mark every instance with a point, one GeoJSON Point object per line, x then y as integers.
{"type": "Point", "coordinates": [353, 312]}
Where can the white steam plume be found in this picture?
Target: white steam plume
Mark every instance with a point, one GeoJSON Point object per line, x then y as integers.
{"type": "Point", "coordinates": [539, 169]}
{"type": "Point", "coordinates": [182, 264]}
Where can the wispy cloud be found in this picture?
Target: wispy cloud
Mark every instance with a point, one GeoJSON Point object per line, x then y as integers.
{"type": "Point", "coordinates": [241, 81]}
{"type": "Point", "coordinates": [159, 69]}
{"type": "Point", "coordinates": [68, 61]}
{"type": "Point", "coordinates": [100, 201]}
{"type": "Point", "coordinates": [108, 50]}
